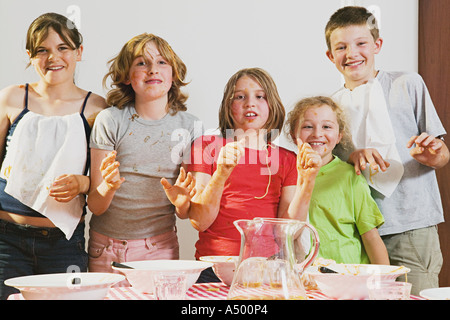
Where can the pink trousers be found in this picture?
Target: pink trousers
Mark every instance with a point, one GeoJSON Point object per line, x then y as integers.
{"type": "Point", "coordinates": [103, 250]}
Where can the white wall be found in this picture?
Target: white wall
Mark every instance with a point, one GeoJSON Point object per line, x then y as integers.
{"type": "Point", "coordinates": [215, 38]}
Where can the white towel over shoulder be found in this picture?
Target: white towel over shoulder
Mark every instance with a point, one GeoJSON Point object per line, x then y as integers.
{"type": "Point", "coordinates": [371, 127]}
{"type": "Point", "coordinates": [41, 149]}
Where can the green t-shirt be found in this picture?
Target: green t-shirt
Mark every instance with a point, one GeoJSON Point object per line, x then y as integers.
{"type": "Point", "coordinates": [342, 209]}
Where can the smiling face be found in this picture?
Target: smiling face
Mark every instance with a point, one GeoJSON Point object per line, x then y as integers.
{"type": "Point", "coordinates": [249, 109]}
{"type": "Point", "coordinates": [353, 52]}
{"type": "Point", "coordinates": [319, 127]}
{"type": "Point", "coordinates": [150, 75]}
{"type": "Point", "coordinates": [55, 60]}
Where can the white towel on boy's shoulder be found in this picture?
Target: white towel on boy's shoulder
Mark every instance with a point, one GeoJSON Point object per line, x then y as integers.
{"type": "Point", "coordinates": [371, 127]}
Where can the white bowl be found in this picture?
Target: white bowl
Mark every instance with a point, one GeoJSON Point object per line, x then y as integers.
{"type": "Point", "coordinates": [65, 286]}
{"type": "Point", "coordinates": [352, 280]}
{"type": "Point", "coordinates": [436, 293]}
{"type": "Point", "coordinates": [224, 267]}
{"type": "Point", "coordinates": [141, 276]}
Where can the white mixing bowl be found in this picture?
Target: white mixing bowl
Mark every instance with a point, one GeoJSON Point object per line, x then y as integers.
{"type": "Point", "coordinates": [141, 275]}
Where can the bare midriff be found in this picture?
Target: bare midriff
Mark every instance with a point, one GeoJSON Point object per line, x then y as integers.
{"type": "Point", "coordinates": [24, 220]}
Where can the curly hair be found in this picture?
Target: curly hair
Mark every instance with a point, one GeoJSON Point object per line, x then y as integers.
{"type": "Point", "coordinates": [295, 117]}
{"type": "Point", "coordinates": [122, 94]}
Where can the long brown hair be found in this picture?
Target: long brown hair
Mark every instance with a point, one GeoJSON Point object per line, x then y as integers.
{"type": "Point", "coordinates": [276, 107]}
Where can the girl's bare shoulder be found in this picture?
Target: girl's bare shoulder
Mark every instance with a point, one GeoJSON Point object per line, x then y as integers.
{"type": "Point", "coordinates": [13, 96]}
{"type": "Point", "coordinates": [12, 100]}
{"type": "Point", "coordinates": [95, 104]}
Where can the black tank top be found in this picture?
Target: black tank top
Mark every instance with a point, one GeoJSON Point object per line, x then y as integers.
{"type": "Point", "coordinates": [11, 204]}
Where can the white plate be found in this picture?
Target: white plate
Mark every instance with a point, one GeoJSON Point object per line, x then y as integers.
{"type": "Point", "coordinates": [436, 293]}
{"type": "Point", "coordinates": [65, 286]}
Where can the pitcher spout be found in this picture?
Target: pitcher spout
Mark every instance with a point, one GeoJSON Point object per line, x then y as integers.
{"type": "Point", "coordinates": [242, 224]}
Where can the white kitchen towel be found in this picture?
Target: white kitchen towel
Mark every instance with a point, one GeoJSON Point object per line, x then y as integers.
{"type": "Point", "coordinates": [41, 149]}
{"type": "Point", "coordinates": [371, 127]}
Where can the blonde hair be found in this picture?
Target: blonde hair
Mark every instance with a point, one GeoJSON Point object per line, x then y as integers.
{"type": "Point", "coordinates": [276, 108]}
{"type": "Point", "coordinates": [351, 16]}
{"type": "Point", "coordinates": [122, 94]}
{"type": "Point", "coordinates": [39, 28]}
{"type": "Point", "coordinates": [296, 116]}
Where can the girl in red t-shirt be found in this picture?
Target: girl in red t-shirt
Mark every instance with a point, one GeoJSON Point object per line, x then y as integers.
{"type": "Point", "coordinates": [241, 174]}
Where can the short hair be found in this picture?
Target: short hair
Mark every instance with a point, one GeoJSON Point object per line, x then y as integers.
{"type": "Point", "coordinates": [276, 107]}
{"type": "Point", "coordinates": [39, 28]}
{"type": "Point", "coordinates": [350, 16]}
{"type": "Point", "coordinates": [297, 115]}
{"type": "Point", "coordinates": [122, 94]}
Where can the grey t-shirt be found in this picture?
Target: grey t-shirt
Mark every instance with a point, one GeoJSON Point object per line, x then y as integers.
{"type": "Point", "coordinates": [416, 202]}
{"type": "Point", "coordinates": [147, 151]}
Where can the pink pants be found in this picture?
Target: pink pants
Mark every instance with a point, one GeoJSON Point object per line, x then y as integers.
{"type": "Point", "coordinates": [103, 250]}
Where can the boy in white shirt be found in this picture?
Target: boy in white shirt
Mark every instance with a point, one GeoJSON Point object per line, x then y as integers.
{"type": "Point", "coordinates": [389, 112]}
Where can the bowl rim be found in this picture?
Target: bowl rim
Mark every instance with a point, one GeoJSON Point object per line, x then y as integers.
{"type": "Point", "coordinates": [211, 259]}
{"type": "Point", "coordinates": [425, 293]}
{"type": "Point", "coordinates": [17, 281]}
{"type": "Point", "coordinates": [313, 270]}
{"type": "Point", "coordinates": [201, 265]}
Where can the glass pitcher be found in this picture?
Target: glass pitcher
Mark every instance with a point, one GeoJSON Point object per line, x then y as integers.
{"type": "Point", "coordinates": [272, 258]}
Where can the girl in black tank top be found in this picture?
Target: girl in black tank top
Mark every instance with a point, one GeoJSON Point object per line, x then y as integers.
{"type": "Point", "coordinates": [26, 249]}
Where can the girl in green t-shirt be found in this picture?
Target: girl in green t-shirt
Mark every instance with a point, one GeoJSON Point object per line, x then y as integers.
{"type": "Point", "coordinates": [341, 209]}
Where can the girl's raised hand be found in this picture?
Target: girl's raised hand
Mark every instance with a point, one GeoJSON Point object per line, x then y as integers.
{"type": "Point", "coordinates": [67, 186]}
{"type": "Point", "coordinates": [308, 161]}
{"type": "Point", "coordinates": [181, 193]}
{"type": "Point", "coordinates": [110, 171]}
{"type": "Point", "coordinates": [229, 156]}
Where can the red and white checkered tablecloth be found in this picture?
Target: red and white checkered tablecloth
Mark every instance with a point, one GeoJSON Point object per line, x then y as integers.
{"type": "Point", "coordinates": [219, 291]}
{"type": "Point", "coordinates": [199, 291]}
{"type": "Point", "coordinates": [206, 291]}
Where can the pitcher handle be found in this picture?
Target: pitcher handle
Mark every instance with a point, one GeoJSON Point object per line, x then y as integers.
{"type": "Point", "coordinates": [314, 249]}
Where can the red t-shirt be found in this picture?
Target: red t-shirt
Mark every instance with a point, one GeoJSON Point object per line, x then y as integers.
{"type": "Point", "coordinates": [248, 180]}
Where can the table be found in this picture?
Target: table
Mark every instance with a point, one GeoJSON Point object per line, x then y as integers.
{"type": "Point", "coordinates": [199, 291]}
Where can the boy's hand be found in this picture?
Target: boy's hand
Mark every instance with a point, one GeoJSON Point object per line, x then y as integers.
{"type": "Point", "coordinates": [359, 158]}
{"type": "Point", "coordinates": [309, 162]}
{"type": "Point", "coordinates": [429, 150]}
{"type": "Point", "coordinates": [110, 171]}
{"type": "Point", "coordinates": [181, 193]}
